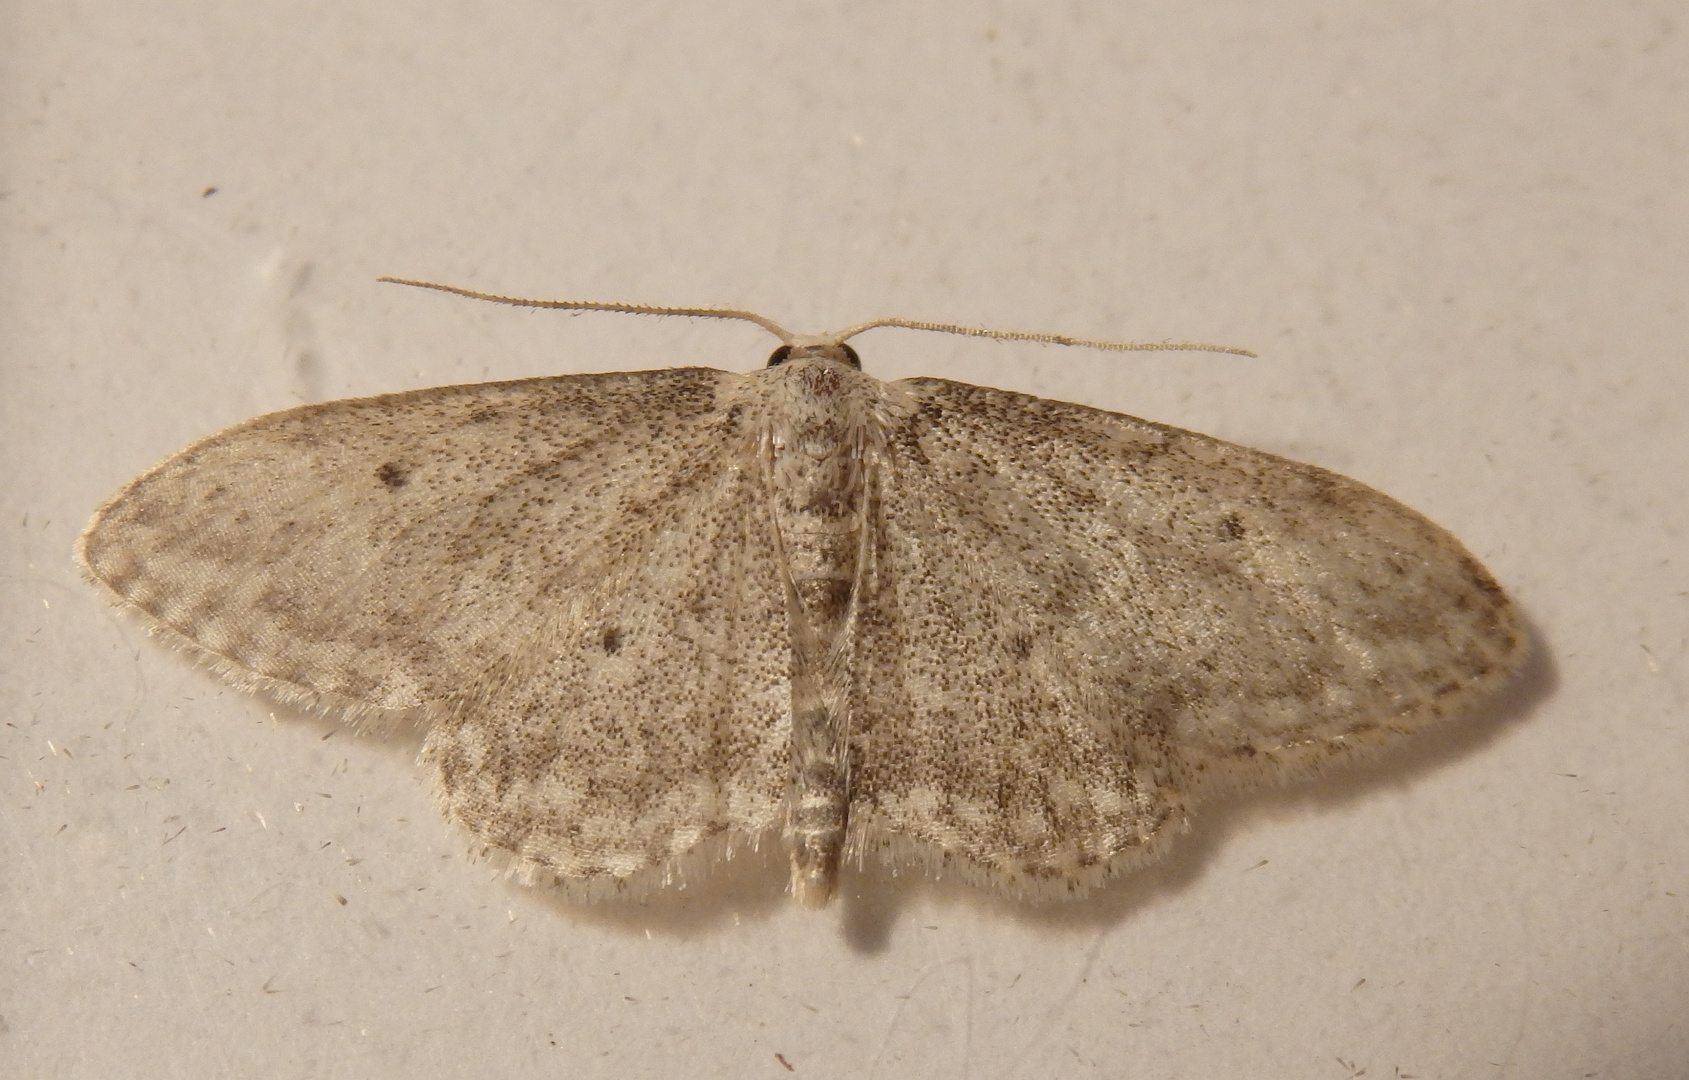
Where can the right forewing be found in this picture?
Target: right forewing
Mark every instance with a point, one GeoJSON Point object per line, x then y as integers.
{"type": "Point", "coordinates": [1081, 620]}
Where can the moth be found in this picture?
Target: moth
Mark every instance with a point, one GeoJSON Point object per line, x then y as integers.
{"type": "Point", "coordinates": [956, 628]}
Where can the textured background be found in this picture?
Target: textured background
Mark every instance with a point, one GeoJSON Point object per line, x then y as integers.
{"type": "Point", "coordinates": [1458, 235]}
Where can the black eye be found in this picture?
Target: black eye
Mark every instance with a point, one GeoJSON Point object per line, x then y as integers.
{"type": "Point", "coordinates": [786, 352]}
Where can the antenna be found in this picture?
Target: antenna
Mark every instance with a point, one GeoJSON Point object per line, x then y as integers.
{"type": "Point", "coordinates": [839, 338]}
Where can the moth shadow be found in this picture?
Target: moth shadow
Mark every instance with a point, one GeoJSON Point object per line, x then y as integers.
{"type": "Point", "coordinates": [713, 887]}
{"type": "Point", "coordinates": [873, 909]}
{"type": "Point", "coordinates": [397, 733]}
{"type": "Point", "coordinates": [1399, 766]}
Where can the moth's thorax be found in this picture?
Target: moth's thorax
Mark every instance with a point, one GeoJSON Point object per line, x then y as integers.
{"type": "Point", "coordinates": [820, 429]}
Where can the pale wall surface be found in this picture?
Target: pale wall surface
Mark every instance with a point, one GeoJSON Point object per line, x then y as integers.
{"type": "Point", "coordinates": [1458, 235]}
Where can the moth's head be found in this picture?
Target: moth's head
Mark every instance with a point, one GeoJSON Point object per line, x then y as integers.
{"type": "Point", "coordinates": [820, 348]}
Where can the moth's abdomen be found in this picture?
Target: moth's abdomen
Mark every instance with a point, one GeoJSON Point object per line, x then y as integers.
{"type": "Point", "coordinates": [817, 814]}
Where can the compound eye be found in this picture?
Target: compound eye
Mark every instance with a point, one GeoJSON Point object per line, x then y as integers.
{"type": "Point", "coordinates": [850, 354]}
{"type": "Point", "coordinates": [780, 356]}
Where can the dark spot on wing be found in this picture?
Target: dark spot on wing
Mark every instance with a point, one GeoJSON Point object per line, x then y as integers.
{"type": "Point", "coordinates": [393, 475]}
{"type": "Point", "coordinates": [612, 641]}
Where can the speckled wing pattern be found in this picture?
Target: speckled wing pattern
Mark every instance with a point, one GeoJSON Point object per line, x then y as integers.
{"type": "Point", "coordinates": [1057, 629]}
{"type": "Point", "coordinates": [568, 577]}
{"type": "Point", "coordinates": [1081, 622]}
